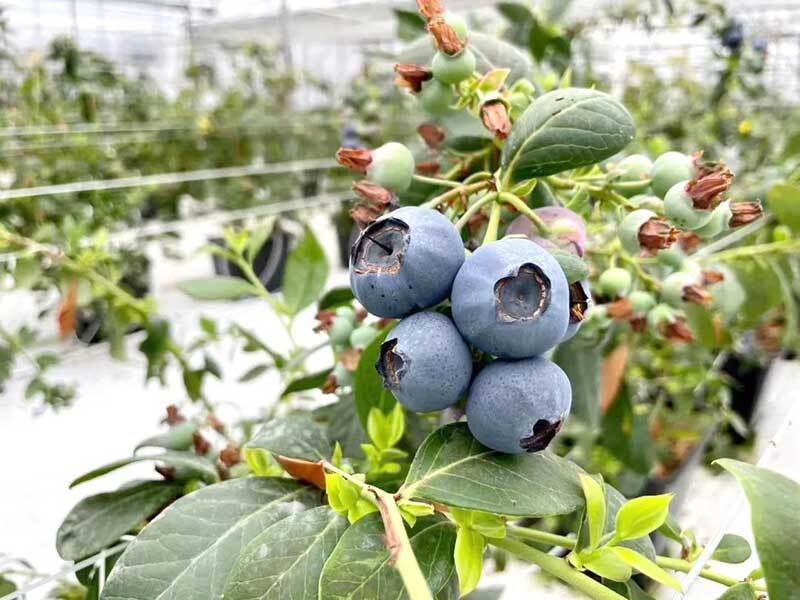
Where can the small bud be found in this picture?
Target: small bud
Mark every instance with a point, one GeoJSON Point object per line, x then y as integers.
{"type": "Point", "coordinates": [495, 118]}
{"type": "Point", "coordinates": [619, 310]}
{"type": "Point", "coordinates": [657, 234]}
{"type": "Point", "coordinates": [411, 76]}
{"type": "Point", "coordinates": [744, 213]}
{"type": "Point", "coordinates": [429, 8]}
{"type": "Point", "coordinates": [428, 167]}
{"type": "Point", "coordinates": [711, 276]}
{"type": "Point", "coordinates": [375, 195]}
{"type": "Point", "coordinates": [712, 180]}
{"type": "Point", "coordinates": [445, 36]}
{"type": "Point", "coordinates": [677, 330]}
{"type": "Point", "coordinates": [361, 314]}
{"type": "Point", "coordinates": [355, 159]}
{"type": "Point", "coordinates": [229, 455]}
{"type": "Point", "coordinates": [431, 134]}
{"type": "Point", "coordinates": [697, 295]}
{"type": "Point", "coordinates": [201, 445]}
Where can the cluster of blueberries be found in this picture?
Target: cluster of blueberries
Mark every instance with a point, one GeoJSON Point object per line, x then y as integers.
{"type": "Point", "coordinates": [509, 299]}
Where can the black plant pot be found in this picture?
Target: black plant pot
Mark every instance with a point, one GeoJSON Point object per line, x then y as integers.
{"type": "Point", "coordinates": [269, 263]}
{"type": "Point", "coordinates": [748, 377]}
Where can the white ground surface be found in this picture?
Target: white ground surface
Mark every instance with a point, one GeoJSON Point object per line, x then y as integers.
{"type": "Point", "coordinates": [39, 455]}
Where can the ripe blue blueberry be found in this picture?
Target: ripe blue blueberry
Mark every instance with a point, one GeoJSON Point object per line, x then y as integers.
{"type": "Point", "coordinates": [518, 406]}
{"type": "Point", "coordinates": [405, 261]}
{"type": "Point", "coordinates": [425, 362]}
{"type": "Point", "coordinates": [511, 299]}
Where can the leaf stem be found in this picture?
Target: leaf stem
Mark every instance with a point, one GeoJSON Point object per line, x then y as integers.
{"type": "Point", "coordinates": [542, 537]}
{"type": "Point", "coordinates": [473, 210]}
{"type": "Point", "coordinates": [557, 567]}
{"type": "Point", "coordinates": [436, 180]}
{"type": "Point", "coordinates": [494, 222]}
{"type": "Point", "coordinates": [684, 566]}
{"type": "Point", "coordinates": [527, 211]}
{"type": "Point", "coordinates": [401, 554]}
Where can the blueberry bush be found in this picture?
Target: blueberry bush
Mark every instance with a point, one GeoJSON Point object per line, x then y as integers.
{"type": "Point", "coordinates": [529, 300]}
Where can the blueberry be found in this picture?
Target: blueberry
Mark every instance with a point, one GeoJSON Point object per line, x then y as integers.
{"type": "Point", "coordinates": [614, 282]}
{"type": "Point", "coordinates": [518, 406]}
{"type": "Point", "coordinates": [580, 300]}
{"type": "Point", "coordinates": [629, 227]}
{"type": "Point", "coordinates": [668, 169]}
{"type": "Point", "coordinates": [458, 24]}
{"type": "Point", "coordinates": [362, 335]}
{"type": "Point", "coordinates": [340, 331]}
{"type": "Point", "coordinates": [633, 170]}
{"type": "Point", "coordinates": [344, 378]}
{"type": "Point", "coordinates": [733, 35]}
{"type": "Point", "coordinates": [641, 302]}
{"type": "Point", "coordinates": [392, 167]}
{"type": "Point", "coordinates": [405, 261]}
{"type": "Point", "coordinates": [567, 229]}
{"type": "Point", "coordinates": [679, 208]}
{"type": "Point", "coordinates": [425, 362]}
{"type": "Point", "coordinates": [436, 97]}
{"type": "Point", "coordinates": [453, 69]}
{"type": "Point", "coordinates": [719, 221]}
{"type": "Point", "coordinates": [511, 299]}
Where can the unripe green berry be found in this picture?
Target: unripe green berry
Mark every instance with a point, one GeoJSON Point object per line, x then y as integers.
{"type": "Point", "coordinates": [649, 202]}
{"type": "Point", "coordinates": [728, 295]}
{"type": "Point", "coordinates": [453, 69]}
{"type": "Point", "coordinates": [436, 97]}
{"type": "Point", "coordinates": [673, 284]}
{"type": "Point", "coordinates": [628, 232]}
{"type": "Point", "coordinates": [641, 302]}
{"type": "Point", "coordinates": [340, 331]}
{"type": "Point", "coordinates": [614, 282]}
{"type": "Point", "coordinates": [781, 233]}
{"type": "Point", "coordinates": [672, 257]}
{"type": "Point", "coordinates": [346, 312]}
{"type": "Point", "coordinates": [679, 208]}
{"type": "Point", "coordinates": [718, 223]}
{"type": "Point", "coordinates": [344, 377]}
{"type": "Point", "coordinates": [668, 169]}
{"type": "Point", "coordinates": [634, 169]}
{"type": "Point", "coordinates": [519, 102]}
{"type": "Point", "coordinates": [595, 318]}
{"type": "Point", "coordinates": [392, 167]}
{"type": "Point", "coordinates": [658, 315]}
{"type": "Point", "coordinates": [362, 336]}
{"type": "Point", "coordinates": [458, 23]}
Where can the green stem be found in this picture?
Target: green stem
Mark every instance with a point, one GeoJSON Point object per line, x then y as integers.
{"type": "Point", "coordinates": [480, 175]}
{"type": "Point", "coordinates": [684, 566]}
{"type": "Point", "coordinates": [466, 190]}
{"type": "Point", "coordinates": [542, 537]}
{"type": "Point", "coordinates": [436, 181]}
{"type": "Point", "coordinates": [525, 210]}
{"type": "Point", "coordinates": [494, 222]}
{"type": "Point", "coordinates": [473, 210]}
{"type": "Point", "coordinates": [748, 251]}
{"type": "Point", "coordinates": [557, 567]}
{"type": "Point", "coordinates": [647, 279]}
{"type": "Point", "coordinates": [733, 237]}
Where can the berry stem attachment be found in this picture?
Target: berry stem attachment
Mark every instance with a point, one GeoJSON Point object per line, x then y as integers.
{"type": "Point", "coordinates": [465, 190]}
{"type": "Point", "coordinates": [525, 210]}
{"type": "Point", "coordinates": [473, 210]}
{"type": "Point", "coordinates": [436, 181]}
{"type": "Point", "coordinates": [494, 221]}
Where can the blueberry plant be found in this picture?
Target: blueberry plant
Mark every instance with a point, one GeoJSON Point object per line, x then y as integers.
{"type": "Point", "coordinates": [533, 242]}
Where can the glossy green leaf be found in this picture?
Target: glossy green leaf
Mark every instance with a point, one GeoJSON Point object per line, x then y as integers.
{"type": "Point", "coordinates": [607, 564]}
{"type": "Point", "coordinates": [646, 566]}
{"type": "Point", "coordinates": [359, 569]}
{"type": "Point", "coordinates": [98, 521]}
{"type": "Point", "coordinates": [294, 436]}
{"type": "Point", "coordinates": [177, 437]}
{"type": "Point", "coordinates": [286, 559]}
{"type": "Point", "coordinates": [614, 501]}
{"type": "Point", "coordinates": [368, 390]}
{"type": "Point", "coordinates": [189, 550]}
{"type": "Point", "coordinates": [732, 549]}
{"type": "Point", "coordinates": [198, 466]}
{"type": "Point", "coordinates": [783, 200]}
{"type": "Point", "coordinates": [641, 516]}
{"type": "Point", "coordinates": [343, 426]}
{"type": "Point", "coordinates": [595, 508]}
{"type": "Point", "coordinates": [333, 298]}
{"type": "Point", "coordinates": [740, 591]}
{"type": "Point", "coordinates": [774, 506]}
{"type": "Point", "coordinates": [311, 381]}
{"type": "Point", "coordinates": [305, 274]}
{"type": "Point", "coordinates": [453, 468]}
{"type": "Point", "coordinates": [565, 129]}
{"type": "Point", "coordinates": [215, 288]}
{"type": "Point", "coordinates": [385, 430]}
{"type": "Point", "coordinates": [253, 373]}
{"type": "Point", "coordinates": [468, 555]}
{"type": "Point", "coordinates": [580, 360]}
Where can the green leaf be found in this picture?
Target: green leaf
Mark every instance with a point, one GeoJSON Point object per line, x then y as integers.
{"type": "Point", "coordinates": [573, 266]}
{"type": "Point", "coordinates": [732, 549]}
{"type": "Point", "coordinates": [783, 200]}
{"type": "Point", "coordinates": [774, 506]}
{"type": "Point", "coordinates": [257, 237]}
{"type": "Point", "coordinates": [98, 521]}
{"type": "Point", "coordinates": [215, 288]}
{"type": "Point", "coordinates": [368, 390]}
{"type": "Point", "coordinates": [565, 129]}
{"type": "Point", "coordinates": [607, 564]}
{"type": "Point", "coordinates": [595, 508]}
{"type": "Point", "coordinates": [359, 566]}
{"type": "Point", "coordinates": [294, 436]}
{"type": "Point", "coordinates": [763, 288]}
{"type": "Point", "coordinates": [343, 426]}
{"type": "Point", "coordinates": [6, 586]}
{"type": "Point", "coordinates": [27, 272]}
{"type": "Point", "coordinates": [487, 524]}
{"type": "Point", "coordinates": [469, 549]}
{"type": "Point", "coordinates": [641, 516]}
{"type": "Point", "coordinates": [452, 468]}
{"type": "Point", "coordinates": [646, 566]}
{"type": "Point", "coordinates": [672, 529]}
{"type": "Point", "coordinates": [307, 382]}
{"type": "Point", "coordinates": [336, 297]}
{"type": "Point", "coordinates": [410, 25]}
{"type": "Point", "coordinates": [305, 274]}
{"type": "Point", "coordinates": [740, 591]}
{"type": "Point", "coordinates": [626, 434]}
{"type": "Point", "coordinates": [189, 550]}
{"type": "Point", "coordinates": [385, 430]}
{"type": "Point", "coordinates": [197, 466]}
{"type": "Point", "coordinates": [614, 502]}
{"type": "Point", "coordinates": [581, 362]}
{"type": "Point", "coordinates": [286, 560]}
{"type": "Point", "coordinates": [253, 373]}
{"type": "Point", "coordinates": [177, 437]}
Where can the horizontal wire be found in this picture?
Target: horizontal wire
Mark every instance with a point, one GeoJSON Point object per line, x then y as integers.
{"type": "Point", "coordinates": [168, 178]}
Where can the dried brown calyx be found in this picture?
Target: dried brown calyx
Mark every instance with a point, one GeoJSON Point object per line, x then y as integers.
{"type": "Point", "coordinates": [688, 241]}
{"type": "Point", "coordinates": [696, 295]}
{"type": "Point", "coordinates": [656, 234]}
{"type": "Point", "coordinates": [620, 310]}
{"type": "Point", "coordinates": [542, 434]}
{"type": "Point", "coordinates": [391, 365]}
{"type": "Point", "coordinates": [229, 455]}
{"type": "Point", "coordinates": [494, 116]}
{"type": "Point", "coordinates": [712, 181]}
{"type": "Point", "coordinates": [743, 213]}
{"type": "Point", "coordinates": [522, 296]}
{"type": "Point", "coordinates": [445, 36]}
{"type": "Point", "coordinates": [355, 159]}
{"type": "Point", "coordinates": [638, 323]}
{"type": "Point", "coordinates": [330, 385]}
{"type": "Point", "coordinates": [710, 276]}
{"type": "Point", "coordinates": [578, 302]}
{"type": "Point", "coordinates": [430, 8]}
{"type": "Point", "coordinates": [325, 319]}
{"type": "Point", "coordinates": [200, 444]}
{"type": "Point", "coordinates": [375, 195]}
{"type": "Point", "coordinates": [411, 76]}
{"type": "Point", "coordinates": [676, 330]}
{"type": "Point", "coordinates": [174, 416]}
{"type": "Point", "coordinates": [381, 247]}
{"type": "Point", "coordinates": [431, 134]}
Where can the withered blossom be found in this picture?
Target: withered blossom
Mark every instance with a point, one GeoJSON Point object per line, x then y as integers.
{"type": "Point", "coordinates": [429, 8]}
{"type": "Point", "coordinates": [676, 330]}
{"type": "Point", "coordinates": [619, 310]}
{"type": "Point", "coordinates": [174, 416]}
{"type": "Point", "coordinates": [411, 76]}
{"type": "Point", "coordinates": [656, 234]}
{"type": "Point", "coordinates": [712, 180]}
{"type": "Point", "coordinates": [445, 36]}
{"type": "Point", "coordinates": [325, 318]}
{"type": "Point", "coordinates": [712, 276]}
{"type": "Point", "coordinates": [428, 167]}
{"type": "Point", "coordinates": [229, 455]}
{"type": "Point", "coordinates": [200, 444]}
{"type": "Point", "coordinates": [495, 118]}
{"type": "Point", "coordinates": [375, 194]}
{"type": "Point", "coordinates": [431, 134]}
{"type": "Point", "coordinates": [696, 295]}
{"type": "Point", "coordinates": [743, 213]}
{"type": "Point", "coordinates": [355, 159]}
